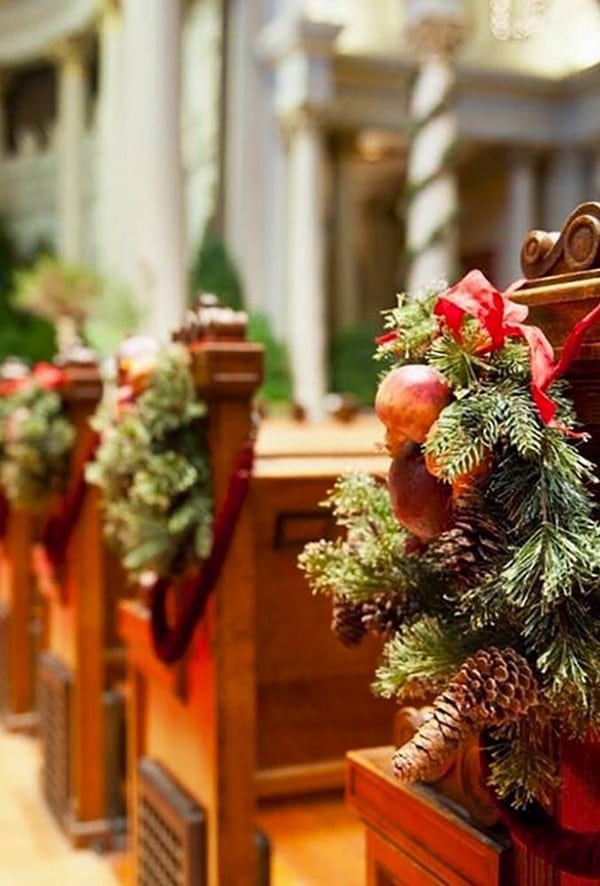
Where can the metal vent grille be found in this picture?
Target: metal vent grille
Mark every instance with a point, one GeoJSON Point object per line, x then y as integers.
{"type": "Point", "coordinates": [171, 831]}
{"type": "Point", "coordinates": [4, 669]}
{"type": "Point", "coordinates": [55, 701]}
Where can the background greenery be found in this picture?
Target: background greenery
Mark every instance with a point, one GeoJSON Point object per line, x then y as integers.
{"type": "Point", "coordinates": [21, 334]}
{"type": "Point", "coordinates": [213, 271]}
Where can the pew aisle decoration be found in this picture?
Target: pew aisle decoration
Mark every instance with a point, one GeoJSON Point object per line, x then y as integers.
{"type": "Point", "coordinates": [152, 466]}
{"type": "Point", "coordinates": [480, 562]}
{"type": "Point", "coordinates": [36, 437]}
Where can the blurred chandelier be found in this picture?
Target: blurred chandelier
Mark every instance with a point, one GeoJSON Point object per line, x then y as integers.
{"type": "Point", "coordinates": [516, 19]}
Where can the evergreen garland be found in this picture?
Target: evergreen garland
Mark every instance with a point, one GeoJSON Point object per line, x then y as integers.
{"type": "Point", "coordinates": [36, 439]}
{"type": "Point", "coordinates": [519, 570]}
{"type": "Point", "coordinates": [153, 471]}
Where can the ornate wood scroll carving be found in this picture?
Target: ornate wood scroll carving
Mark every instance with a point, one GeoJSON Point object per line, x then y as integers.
{"type": "Point", "coordinates": [576, 248]}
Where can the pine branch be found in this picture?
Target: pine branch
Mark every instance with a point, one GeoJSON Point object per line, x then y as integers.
{"type": "Point", "coordinates": [521, 770]}
{"type": "Point", "coordinates": [414, 326]}
{"type": "Point", "coordinates": [428, 651]}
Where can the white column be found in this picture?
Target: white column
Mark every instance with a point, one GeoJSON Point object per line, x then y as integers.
{"type": "Point", "coordinates": [154, 161]}
{"type": "Point", "coordinates": [520, 214]}
{"type": "Point", "coordinates": [301, 51]}
{"type": "Point", "coordinates": [436, 30]}
{"type": "Point", "coordinates": [71, 132]}
{"type": "Point", "coordinates": [110, 142]}
{"type": "Point", "coordinates": [305, 278]}
{"type": "Point", "coordinates": [247, 128]}
{"type": "Point", "coordinates": [565, 186]}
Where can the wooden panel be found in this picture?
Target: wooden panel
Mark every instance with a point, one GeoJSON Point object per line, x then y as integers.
{"type": "Point", "coordinates": [420, 837]}
{"type": "Point", "coordinates": [4, 660]}
{"type": "Point", "coordinates": [314, 695]}
{"type": "Point", "coordinates": [19, 595]}
{"type": "Point", "coordinates": [306, 721]}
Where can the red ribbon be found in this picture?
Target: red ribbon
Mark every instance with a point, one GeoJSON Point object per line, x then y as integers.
{"type": "Point", "coordinates": [171, 643]}
{"type": "Point", "coordinates": [59, 529]}
{"type": "Point", "coordinates": [502, 318]}
{"type": "Point", "coordinates": [48, 376]}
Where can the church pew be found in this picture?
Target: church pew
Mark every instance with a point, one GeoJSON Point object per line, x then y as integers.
{"type": "Point", "coordinates": [191, 725]}
{"type": "Point", "coordinates": [81, 669]}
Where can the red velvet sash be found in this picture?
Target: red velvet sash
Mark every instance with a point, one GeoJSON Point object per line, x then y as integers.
{"type": "Point", "coordinates": [571, 845]}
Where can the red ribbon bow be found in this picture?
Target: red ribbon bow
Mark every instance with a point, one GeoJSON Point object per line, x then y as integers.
{"type": "Point", "coordinates": [502, 318]}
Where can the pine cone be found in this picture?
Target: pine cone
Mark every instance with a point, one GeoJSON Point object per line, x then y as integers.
{"type": "Point", "coordinates": [492, 687]}
{"type": "Point", "coordinates": [346, 621]}
{"type": "Point", "coordinates": [470, 545]}
{"type": "Point", "coordinates": [385, 614]}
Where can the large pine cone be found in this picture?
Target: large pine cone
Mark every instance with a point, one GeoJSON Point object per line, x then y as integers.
{"type": "Point", "coordinates": [492, 687]}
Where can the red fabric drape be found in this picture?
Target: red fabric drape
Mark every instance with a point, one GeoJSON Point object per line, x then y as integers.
{"type": "Point", "coordinates": [59, 529]}
{"type": "Point", "coordinates": [572, 847]}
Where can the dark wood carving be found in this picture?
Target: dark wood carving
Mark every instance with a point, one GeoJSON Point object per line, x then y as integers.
{"type": "Point", "coordinates": [576, 248]}
{"type": "Point", "coordinates": [460, 778]}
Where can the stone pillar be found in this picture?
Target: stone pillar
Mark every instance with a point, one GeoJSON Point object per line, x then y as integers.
{"type": "Point", "coordinates": [153, 162]}
{"type": "Point", "coordinates": [436, 29]}
{"type": "Point", "coordinates": [301, 52]}
{"type": "Point", "coordinates": [565, 186]}
{"type": "Point", "coordinates": [520, 213]}
{"type": "Point", "coordinates": [110, 141]}
{"type": "Point", "coordinates": [72, 96]}
{"type": "Point", "coordinates": [306, 301]}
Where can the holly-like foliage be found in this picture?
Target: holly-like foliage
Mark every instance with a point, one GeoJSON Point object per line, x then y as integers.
{"type": "Point", "coordinates": [36, 439]}
{"type": "Point", "coordinates": [152, 468]}
{"type": "Point", "coordinates": [519, 570]}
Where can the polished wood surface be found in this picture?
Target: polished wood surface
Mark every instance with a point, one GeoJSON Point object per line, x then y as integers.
{"type": "Point", "coordinates": [315, 841]}
{"type": "Point", "coordinates": [417, 838]}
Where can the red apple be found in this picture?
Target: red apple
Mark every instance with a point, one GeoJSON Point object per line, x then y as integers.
{"type": "Point", "coordinates": [421, 502]}
{"type": "Point", "coordinates": [408, 401]}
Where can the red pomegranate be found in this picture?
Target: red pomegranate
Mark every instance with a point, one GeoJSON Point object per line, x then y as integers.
{"type": "Point", "coordinates": [408, 401]}
{"type": "Point", "coordinates": [421, 502]}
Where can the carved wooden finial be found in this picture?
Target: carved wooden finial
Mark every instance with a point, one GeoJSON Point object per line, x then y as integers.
{"type": "Point", "coordinates": [576, 248]}
{"type": "Point", "coordinates": [208, 320]}
{"type": "Point", "coordinates": [77, 354]}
